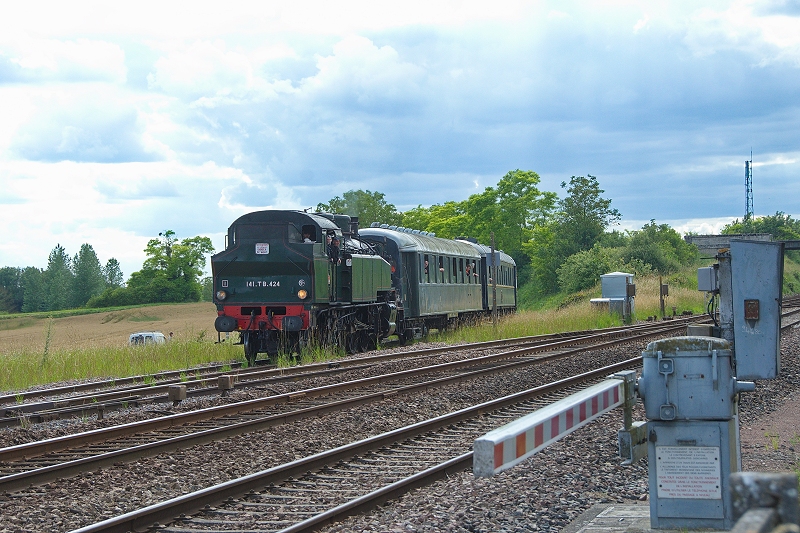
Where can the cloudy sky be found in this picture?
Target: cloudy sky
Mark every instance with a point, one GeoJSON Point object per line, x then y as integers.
{"type": "Point", "coordinates": [117, 122]}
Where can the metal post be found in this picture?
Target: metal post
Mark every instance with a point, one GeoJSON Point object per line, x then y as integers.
{"type": "Point", "coordinates": [493, 273]}
{"type": "Point", "coordinates": [661, 297]}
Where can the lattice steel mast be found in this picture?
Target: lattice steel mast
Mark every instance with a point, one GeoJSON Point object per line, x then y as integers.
{"type": "Point", "coordinates": [748, 188]}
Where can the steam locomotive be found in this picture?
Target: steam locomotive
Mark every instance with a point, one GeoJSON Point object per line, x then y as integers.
{"type": "Point", "coordinates": [282, 282]}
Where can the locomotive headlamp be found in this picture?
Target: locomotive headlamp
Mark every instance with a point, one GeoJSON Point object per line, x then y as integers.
{"type": "Point", "coordinates": [302, 294]}
{"type": "Point", "coordinates": [221, 295]}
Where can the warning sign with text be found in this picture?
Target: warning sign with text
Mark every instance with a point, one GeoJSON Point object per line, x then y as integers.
{"type": "Point", "coordinates": [691, 472]}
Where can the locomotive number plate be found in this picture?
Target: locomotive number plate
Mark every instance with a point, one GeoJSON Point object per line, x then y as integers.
{"type": "Point", "coordinates": [262, 248]}
{"type": "Point", "coordinates": [263, 283]}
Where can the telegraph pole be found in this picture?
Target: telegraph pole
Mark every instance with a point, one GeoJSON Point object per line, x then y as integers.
{"type": "Point", "coordinates": [493, 273]}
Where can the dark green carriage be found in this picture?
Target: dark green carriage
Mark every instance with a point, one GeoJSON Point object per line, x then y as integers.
{"type": "Point", "coordinates": [438, 295]}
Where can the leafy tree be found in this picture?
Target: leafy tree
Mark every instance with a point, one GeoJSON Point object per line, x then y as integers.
{"type": "Point", "coordinates": [368, 206]}
{"type": "Point", "coordinates": [448, 220]}
{"type": "Point", "coordinates": [416, 218]}
{"type": "Point", "coordinates": [87, 278]}
{"type": "Point", "coordinates": [208, 289]}
{"type": "Point", "coordinates": [659, 246]}
{"type": "Point", "coordinates": [169, 274]}
{"type": "Point", "coordinates": [582, 270]}
{"type": "Point", "coordinates": [545, 258]}
{"type": "Point", "coordinates": [612, 239]}
{"type": "Point", "coordinates": [780, 225]}
{"type": "Point", "coordinates": [11, 294]}
{"type": "Point", "coordinates": [582, 218]}
{"type": "Point", "coordinates": [172, 269]}
{"type": "Point", "coordinates": [34, 290]}
{"type": "Point", "coordinates": [112, 274]}
{"type": "Point", "coordinates": [583, 214]}
{"type": "Point", "coordinates": [6, 301]}
{"type": "Point", "coordinates": [511, 211]}
{"type": "Point", "coordinates": [58, 279]}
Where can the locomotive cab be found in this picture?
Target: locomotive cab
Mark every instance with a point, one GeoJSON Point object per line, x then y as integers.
{"type": "Point", "coordinates": [278, 279]}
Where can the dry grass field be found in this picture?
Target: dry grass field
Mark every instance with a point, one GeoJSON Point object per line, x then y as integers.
{"type": "Point", "coordinates": [108, 329]}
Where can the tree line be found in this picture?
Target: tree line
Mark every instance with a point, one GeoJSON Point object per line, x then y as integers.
{"type": "Point", "coordinates": [67, 282]}
{"type": "Point", "coordinates": [559, 244]}
{"type": "Point", "coordinates": [170, 273]}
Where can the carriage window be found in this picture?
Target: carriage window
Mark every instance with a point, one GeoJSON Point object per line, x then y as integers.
{"type": "Point", "coordinates": [454, 271]}
{"type": "Point", "coordinates": [441, 275]}
{"type": "Point", "coordinates": [294, 234]}
{"type": "Point", "coordinates": [426, 274]}
{"type": "Point", "coordinates": [309, 233]}
{"type": "Point", "coordinates": [460, 271]}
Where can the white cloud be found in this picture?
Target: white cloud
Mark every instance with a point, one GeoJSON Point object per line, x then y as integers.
{"type": "Point", "coordinates": [700, 226]}
{"type": "Point", "coordinates": [66, 60]}
{"type": "Point", "coordinates": [767, 39]}
{"type": "Point", "coordinates": [641, 24]}
{"type": "Point", "coordinates": [367, 73]}
{"type": "Point", "coordinates": [203, 68]}
{"type": "Point", "coordinates": [115, 208]}
{"type": "Point", "coordinates": [186, 118]}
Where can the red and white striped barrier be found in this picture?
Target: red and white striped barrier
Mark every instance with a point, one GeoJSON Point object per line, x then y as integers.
{"type": "Point", "coordinates": [511, 444]}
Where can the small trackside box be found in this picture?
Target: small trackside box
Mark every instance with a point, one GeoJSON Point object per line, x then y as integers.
{"type": "Point", "coordinates": [688, 378]}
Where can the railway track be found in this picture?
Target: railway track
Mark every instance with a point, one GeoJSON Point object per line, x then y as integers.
{"type": "Point", "coordinates": [39, 462]}
{"type": "Point", "coordinates": [305, 495]}
{"type": "Point", "coordinates": [98, 398]}
{"type": "Point", "coordinates": [308, 493]}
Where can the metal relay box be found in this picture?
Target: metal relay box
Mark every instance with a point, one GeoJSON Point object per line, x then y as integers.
{"type": "Point", "coordinates": [688, 378]}
{"type": "Point", "coordinates": [707, 279]}
{"type": "Point", "coordinates": [757, 279]}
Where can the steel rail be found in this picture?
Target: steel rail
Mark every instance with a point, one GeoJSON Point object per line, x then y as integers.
{"type": "Point", "coordinates": [55, 444]}
{"type": "Point", "coordinates": [111, 383]}
{"type": "Point", "coordinates": [191, 503]}
{"type": "Point", "coordinates": [74, 467]}
{"type": "Point", "coordinates": [138, 395]}
{"type": "Point", "coordinates": [389, 492]}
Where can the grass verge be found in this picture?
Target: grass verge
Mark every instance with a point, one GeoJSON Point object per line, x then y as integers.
{"type": "Point", "coordinates": [24, 369]}
{"type": "Point", "coordinates": [21, 370]}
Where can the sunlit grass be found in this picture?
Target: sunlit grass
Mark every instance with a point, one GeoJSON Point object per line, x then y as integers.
{"type": "Point", "coordinates": [312, 352]}
{"type": "Point", "coordinates": [683, 295]}
{"type": "Point", "coordinates": [526, 323]}
{"type": "Point", "coordinates": [574, 312]}
{"type": "Point", "coordinates": [23, 369]}
{"type": "Point", "coordinates": [72, 312]}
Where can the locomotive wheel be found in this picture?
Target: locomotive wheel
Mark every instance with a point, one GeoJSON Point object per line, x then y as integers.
{"type": "Point", "coordinates": [353, 342]}
{"type": "Point", "coordinates": [250, 342]}
{"type": "Point", "coordinates": [368, 342]}
{"type": "Point", "coordinates": [362, 338]}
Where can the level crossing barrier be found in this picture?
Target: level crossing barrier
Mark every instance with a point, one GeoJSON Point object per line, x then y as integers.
{"type": "Point", "coordinates": [511, 444]}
